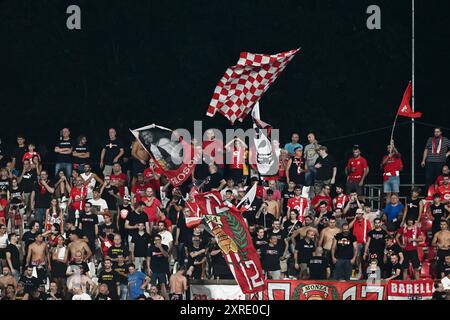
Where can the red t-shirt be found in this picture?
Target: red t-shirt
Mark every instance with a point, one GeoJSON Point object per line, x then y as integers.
{"type": "Point", "coordinates": [78, 196]}
{"type": "Point", "coordinates": [445, 192]}
{"type": "Point", "coordinates": [392, 166]}
{"type": "Point", "coordinates": [117, 179]}
{"type": "Point", "coordinates": [3, 203]}
{"type": "Point", "coordinates": [409, 234]}
{"type": "Point", "coordinates": [152, 182]}
{"type": "Point", "coordinates": [359, 164]}
{"type": "Point", "coordinates": [139, 190]}
{"type": "Point", "coordinates": [300, 205]}
{"type": "Point", "coordinates": [318, 199]}
{"type": "Point", "coordinates": [340, 201]}
{"type": "Point", "coordinates": [152, 210]}
{"type": "Point", "coordinates": [209, 150]}
{"type": "Point", "coordinates": [166, 221]}
{"type": "Point", "coordinates": [361, 230]}
{"type": "Point", "coordinates": [29, 156]}
{"type": "Point", "coordinates": [439, 180]}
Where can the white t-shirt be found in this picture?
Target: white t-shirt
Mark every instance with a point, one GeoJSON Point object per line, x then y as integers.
{"type": "Point", "coordinates": [91, 184]}
{"type": "Point", "coordinates": [166, 237]}
{"type": "Point", "coordinates": [99, 204]}
{"type": "Point", "coordinates": [83, 296]}
{"type": "Point", "coordinates": [446, 283]}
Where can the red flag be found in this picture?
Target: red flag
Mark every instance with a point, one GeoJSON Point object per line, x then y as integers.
{"type": "Point", "coordinates": [405, 109]}
{"type": "Point", "coordinates": [233, 237]}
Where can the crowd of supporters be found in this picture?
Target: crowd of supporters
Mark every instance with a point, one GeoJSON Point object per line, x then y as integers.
{"type": "Point", "coordinates": [107, 228]}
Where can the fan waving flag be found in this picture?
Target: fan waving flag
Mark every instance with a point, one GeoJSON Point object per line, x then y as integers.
{"type": "Point", "coordinates": [174, 157]}
{"type": "Point", "coordinates": [243, 84]}
{"type": "Point", "coordinates": [405, 109]}
{"type": "Point", "coordinates": [232, 235]}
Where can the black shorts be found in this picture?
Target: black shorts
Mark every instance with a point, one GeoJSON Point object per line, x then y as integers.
{"type": "Point", "coordinates": [176, 296]}
{"type": "Point", "coordinates": [159, 278]}
{"type": "Point", "coordinates": [137, 167]}
{"type": "Point", "coordinates": [413, 257]}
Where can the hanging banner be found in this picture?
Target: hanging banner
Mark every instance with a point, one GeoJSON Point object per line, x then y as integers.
{"type": "Point", "coordinates": [320, 290]}
{"type": "Point", "coordinates": [410, 290]}
{"type": "Point", "coordinates": [216, 292]}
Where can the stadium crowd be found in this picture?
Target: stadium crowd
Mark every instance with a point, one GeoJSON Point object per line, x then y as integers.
{"type": "Point", "coordinates": [101, 229]}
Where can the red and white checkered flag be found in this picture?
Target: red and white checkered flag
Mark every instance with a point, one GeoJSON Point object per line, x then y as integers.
{"type": "Point", "coordinates": [243, 85]}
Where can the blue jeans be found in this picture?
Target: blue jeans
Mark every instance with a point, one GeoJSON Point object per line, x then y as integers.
{"type": "Point", "coordinates": [310, 175]}
{"type": "Point", "coordinates": [39, 215]}
{"type": "Point", "coordinates": [65, 166]}
{"type": "Point", "coordinates": [392, 185]}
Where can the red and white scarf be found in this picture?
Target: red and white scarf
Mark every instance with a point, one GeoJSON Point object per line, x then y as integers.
{"type": "Point", "coordinates": [436, 147]}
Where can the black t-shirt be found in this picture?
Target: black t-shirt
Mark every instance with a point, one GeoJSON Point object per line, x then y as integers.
{"type": "Point", "coordinates": [121, 218]}
{"type": "Point", "coordinates": [18, 153]}
{"type": "Point", "coordinates": [201, 171]}
{"type": "Point", "coordinates": [324, 220]}
{"type": "Point", "coordinates": [111, 201]}
{"type": "Point", "coordinates": [16, 195]}
{"type": "Point", "coordinates": [220, 265]}
{"type": "Point", "coordinates": [413, 208]}
{"type": "Point", "coordinates": [270, 256]}
{"type": "Point", "coordinates": [105, 229]}
{"type": "Point", "coordinates": [214, 182]}
{"type": "Point", "coordinates": [394, 268]}
{"type": "Point", "coordinates": [351, 213]}
{"type": "Point", "coordinates": [289, 227]}
{"type": "Point", "coordinates": [173, 215]}
{"type": "Point", "coordinates": [318, 268]}
{"type": "Point", "coordinates": [443, 268]}
{"type": "Point", "coordinates": [377, 241]}
{"type": "Point", "coordinates": [88, 222]}
{"type": "Point", "coordinates": [250, 214]}
{"type": "Point", "coordinates": [185, 232]}
{"type": "Point", "coordinates": [112, 149]}
{"type": "Point", "coordinates": [279, 235]}
{"type": "Point", "coordinates": [122, 271]}
{"type": "Point", "coordinates": [30, 284]}
{"type": "Point", "coordinates": [198, 258]}
{"type": "Point", "coordinates": [286, 195]}
{"type": "Point", "coordinates": [141, 244]}
{"type": "Point", "coordinates": [259, 243]}
{"type": "Point", "coordinates": [29, 178]}
{"type": "Point", "coordinates": [135, 218]}
{"type": "Point", "coordinates": [111, 279]}
{"type": "Point", "coordinates": [344, 246]}
{"type": "Point", "coordinates": [326, 171]}
{"type": "Point", "coordinates": [438, 212]}
{"type": "Point", "coordinates": [81, 149]}
{"type": "Point", "coordinates": [15, 256]}
{"type": "Point", "coordinates": [64, 158]}
{"type": "Point", "coordinates": [305, 250]}
{"type": "Point", "coordinates": [42, 197]}
{"type": "Point", "coordinates": [114, 251]}
{"type": "Point", "coordinates": [158, 262]}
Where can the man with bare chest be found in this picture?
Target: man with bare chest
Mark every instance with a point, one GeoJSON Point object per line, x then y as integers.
{"type": "Point", "coordinates": [7, 278]}
{"type": "Point", "coordinates": [37, 257]}
{"type": "Point", "coordinates": [441, 240]}
{"type": "Point", "coordinates": [327, 236]}
{"type": "Point", "coordinates": [140, 159]}
{"type": "Point", "coordinates": [80, 245]}
{"type": "Point", "coordinates": [178, 284]}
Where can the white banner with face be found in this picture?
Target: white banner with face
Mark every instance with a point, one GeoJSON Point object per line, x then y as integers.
{"type": "Point", "coordinates": [216, 292]}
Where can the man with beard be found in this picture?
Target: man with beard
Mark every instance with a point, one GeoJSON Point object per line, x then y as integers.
{"type": "Point", "coordinates": [303, 253]}
{"type": "Point", "coordinates": [374, 248]}
{"type": "Point", "coordinates": [327, 236]}
{"type": "Point", "coordinates": [298, 203]}
{"type": "Point", "coordinates": [435, 154]}
{"type": "Point", "coordinates": [343, 253]}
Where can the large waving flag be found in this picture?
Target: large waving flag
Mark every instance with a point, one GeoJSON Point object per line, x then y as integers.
{"type": "Point", "coordinates": [243, 84]}
{"type": "Point", "coordinates": [405, 109]}
{"type": "Point", "coordinates": [232, 235]}
{"type": "Point", "coordinates": [175, 157]}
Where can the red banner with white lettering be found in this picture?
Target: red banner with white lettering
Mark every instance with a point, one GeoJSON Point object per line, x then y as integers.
{"type": "Point", "coordinates": [231, 232]}
{"type": "Point", "coordinates": [320, 290]}
{"type": "Point", "coordinates": [410, 290]}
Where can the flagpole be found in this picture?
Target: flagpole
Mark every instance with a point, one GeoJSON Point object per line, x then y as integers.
{"type": "Point", "coordinates": [413, 178]}
{"type": "Point", "coordinates": [393, 128]}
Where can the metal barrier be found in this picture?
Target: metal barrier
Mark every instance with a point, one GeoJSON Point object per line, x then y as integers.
{"type": "Point", "coordinates": [374, 193]}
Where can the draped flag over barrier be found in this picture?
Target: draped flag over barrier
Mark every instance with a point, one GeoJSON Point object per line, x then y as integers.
{"type": "Point", "coordinates": [174, 156]}
{"type": "Point", "coordinates": [243, 84]}
{"type": "Point", "coordinates": [232, 235]}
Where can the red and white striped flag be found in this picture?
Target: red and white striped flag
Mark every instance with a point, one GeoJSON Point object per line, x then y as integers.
{"type": "Point", "coordinates": [243, 84]}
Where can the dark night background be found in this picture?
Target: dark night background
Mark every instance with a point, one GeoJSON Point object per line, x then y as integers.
{"type": "Point", "coordinates": [138, 62]}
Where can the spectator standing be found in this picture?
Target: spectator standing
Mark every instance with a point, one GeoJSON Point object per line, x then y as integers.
{"type": "Point", "coordinates": [343, 252]}
{"type": "Point", "coordinates": [112, 152]}
{"type": "Point", "coordinates": [437, 149]}
{"type": "Point", "coordinates": [18, 152]}
{"type": "Point", "coordinates": [296, 167]}
{"type": "Point", "coordinates": [41, 197]}
{"type": "Point", "coordinates": [326, 170]}
{"type": "Point", "coordinates": [391, 165]}
{"type": "Point", "coordinates": [81, 154]}
{"type": "Point", "coordinates": [294, 144]}
{"type": "Point", "coordinates": [311, 155]}
{"type": "Point", "coordinates": [137, 282]}
{"type": "Point", "coordinates": [63, 150]}
{"type": "Point", "coordinates": [409, 237]}
{"type": "Point", "coordinates": [356, 170]}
